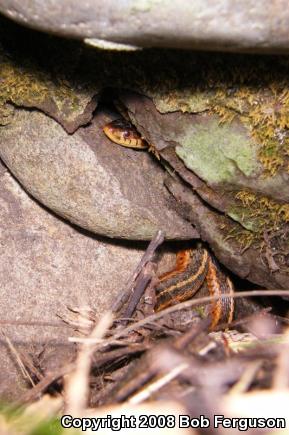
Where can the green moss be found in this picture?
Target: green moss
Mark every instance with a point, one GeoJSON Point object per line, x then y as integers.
{"type": "Point", "coordinates": [242, 237]}
{"type": "Point", "coordinates": [255, 215]}
{"type": "Point", "coordinates": [186, 102]}
{"type": "Point", "coordinates": [27, 85]}
{"type": "Point", "coordinates": [253, 90]}
{"type": "Point", "coordinates": [258, 213]}
{"type": "Point", "coordinates": [242, 216]}
{"type": "Point", "coordinates": [265, 111]}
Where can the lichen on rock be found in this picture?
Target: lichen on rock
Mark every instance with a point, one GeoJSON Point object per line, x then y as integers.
{"type": "Point", "coordinates": [218, 153]}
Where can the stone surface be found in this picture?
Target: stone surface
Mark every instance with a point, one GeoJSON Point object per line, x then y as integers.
{"type": "Point", "coordinates": [47, 265]}
{"type": "Point", "coordinates": [38, 74]}
{"type": "Point", "coordinates": [224, 155]}
{"type": "Point", "coordinates": [221, 234]}
{"type": "Point", "coordinates": [85, 178]}
{"type": "Point", "coordinates": [222, 25]}
{"type": "Point", "coordinates": [220, 121]}
{"type": "Point", "coordinates": [240, 212]}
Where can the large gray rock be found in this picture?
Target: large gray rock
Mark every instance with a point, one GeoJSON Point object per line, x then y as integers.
{"type": "Point", "coordinates": [224, 155]}
{"type": "Point", "coordinates": [210, 24]}
{"type": "Point", "coordinates": [45, 266]}
{"type": "Point", "coordinates": [85, 178]}
{"type": "Point", "coordinates": [240, 212]}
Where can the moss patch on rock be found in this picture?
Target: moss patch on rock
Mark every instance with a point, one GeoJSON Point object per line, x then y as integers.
{"type": "Point", "coordinates": [260, 211]}
{"type": "Point", "coordinates": [251, 92]}
{"type": "Point", "coordinates": [28, 86]}
{"type": "Point", "coordinates": [265, 111]}
{"type": "Point", "coordinates": [40, 74]}
{"type": "Point", "coordinates": [258, 215]}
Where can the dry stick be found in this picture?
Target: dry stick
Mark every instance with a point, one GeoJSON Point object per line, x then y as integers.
{"type": "Point", "coordinates": [150, 297]}
{"type": "Point", "coordinates": [195, 330]}
{"type": "Point", "coordinates": [148, 255]}
{"type": "Point", "coordinates": [24, 361]}
{"type": "Point", "coordinates": [146, 371]}
{"type": "Point", "coordinates": [145, 376]}
{"type": "Point", "coordinates": [76, 387]}
{"type": "Point", "coordinates": [180, 343]}
{"type": "Point", "coordinates": [67, 369]}
{"type": "Point", "coordinates": [96, 364]}
{"type": "Point", "coordinates": [141, 374]}
{"type": "Point", "coordinates": [246, 378]}
{"type": "Point", "coordinates": [18, 359]}
{"type": "Point", "coordinates": [188, 304]}
{"type": "Point", "coordinates": [246, 319]}
{"type": "Point", "coordinates": [117, 388]}
{"type": "Point", "coordinates": [44, 383]}
{"type": "Point", "coordinates": [28, 362]}
{"type": "Point", "coordinates": [141, 284]}
{"type": "Point", "coordinates": [34, 323]}
{"type": "Point", "coordinates": [157, 384]}
{"type": "Point", "coordinates": [119, 353]}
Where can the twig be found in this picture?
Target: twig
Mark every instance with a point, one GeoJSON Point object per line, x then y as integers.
{"type": "Point", "coordinates": [145, 370]}
{"type": "Point", "coordinates": [119, 353]}
{"type": "Point", "coordinates": [150, 297]}
{"type": "Point", "coordinates": [140, 374]}
{"type": "Point", "coordinates": [97, 363]}
{"type": "Point", "coordinates": [35, 392]}
{"type": "Point", "coordinates": [33, 323]}
{"type": "Point", "coordinates": [245, 319]}
{"type": "Point", "coordinates": [52, 377]}
{"type": "Point", "coordinates": [179, 343]}
{"type": "Point", "coordinates": [185, 339]}
{"type": "Point", "coordinates": [246, 378]}
{"type": "Point", "coordinates": [28, 362]}
{"type": "Point", "coordinates": [77, 384]}
{"type": "Point", "coordinates": [141, 284]}
{"type": "Point", "coordinates": [148, 256]}
{"type": "Point", "coordinates": [158, 384]}
{"type": "Point", "coordinates": [18, 359]}
{"type": "Point", "coordinates": [188, 304]}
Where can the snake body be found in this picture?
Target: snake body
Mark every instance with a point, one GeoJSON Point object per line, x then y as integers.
{"type": "Point", "coordinates": [193, 267]}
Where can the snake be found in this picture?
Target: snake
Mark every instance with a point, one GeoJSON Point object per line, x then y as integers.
{"type": "Point", "coordinates": [123, 133]}
{"type": "Point", "coordinates": [193, 267]}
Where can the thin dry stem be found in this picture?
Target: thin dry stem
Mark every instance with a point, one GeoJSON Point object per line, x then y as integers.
{"type": "Point", "coordinates": [77, 384]}
{"type": "Point", "coordinates": [247, 378]}
{"type": "Point", "coordinates": [18, 359]}
{"type": "Point", "coordinates": [188, 304]}
{"type": "Point", "coordinates": [158, 384]}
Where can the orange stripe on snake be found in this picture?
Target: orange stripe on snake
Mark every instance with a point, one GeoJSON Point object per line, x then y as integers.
{"type": "Point", "coordinates": [192, 268]}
